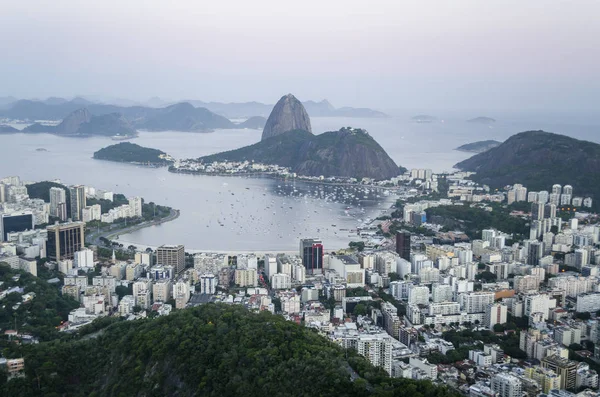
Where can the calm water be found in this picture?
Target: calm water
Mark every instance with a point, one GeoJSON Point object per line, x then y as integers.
{"type": "Point", "coordinates": [255, 213]}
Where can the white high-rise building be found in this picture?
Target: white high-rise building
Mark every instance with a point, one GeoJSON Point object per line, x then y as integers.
{"type": "Point", "coordinates": [418, 295]}
{"type": "Point", "coordinates": [441, 293]}
{"type": "Point", "coordinates": [270, 266]}
{"type": "Point", "coordinates": [495, 314]}
{"type": "Point", "coordinates": [281, 281]}
{"type": "Point", "coordinates": [556, 189]}
{"type": "Point", "coordinates": [208, 284]}
{"type": "Point", "coordinates": [142, 294]}
{"type": "Point", "coordinates": [136, 206]}
{"type": "Point", "coordinates": [542, 196]}
{"type": "Point", "coordinates": [488, 235]}
{"type": "Point", "coordinates": [84, 259]}
{"type": "Point", "coordinates": [181, 294]}
{"type": "Point", "coordinates": [377, 348]}
{"type": "Point", "coordinates": [538, 303]}
{"type": "Point", "coordinates": [161, 290]}
{"type": "Point", "coordinates": [91, 213]}
{"type": "Point", "coordinates": [57, 196]}
{"type": "Point", "coordinates": [506, 385]}
{"type": "Point", "coordinates": [476, 302]}
{"type": "Point", "coordinates": [78, 201]}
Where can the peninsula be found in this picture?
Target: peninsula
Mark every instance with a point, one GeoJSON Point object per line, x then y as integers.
{"type": "Point", "coordinates": [287, 142]}
{"type": "Point", "coordinates": [478, 147]}
{"type": "Point", "coordinates": [539, 159]}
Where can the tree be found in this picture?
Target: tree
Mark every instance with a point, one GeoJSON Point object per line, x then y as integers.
{"type": "Point", "coordinates": [583, 316]}
{"type": "Point", "coordinates": [276, 304]}
{"type": "Point", "coordinates": [575, 346]}
{"type": "Point", "coordinates": [360, 310]}
{"type": "Point", "coordinates": [498, 328]}
{"type": "Point", "coordinates": [487, 276]}
{"type": "Point", "coordinates": [358, 245]}
{"type": "Point", "coordinates": [394, 276]}
{"type": "Point", "coordinates": [121, 291]}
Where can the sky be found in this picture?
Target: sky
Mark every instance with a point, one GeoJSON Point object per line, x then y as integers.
{"type": "Point", "coordinates": [395, 54]}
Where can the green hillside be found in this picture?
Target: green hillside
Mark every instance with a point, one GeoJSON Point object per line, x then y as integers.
{"type": "Point", "coordinates": [538, 160]}
{"type": "Point", "coordinates": [127, 152]}
{"type": "Point", "coordinates": [349, 152]}
{"type": "Point", "coordinates": [211, 350]}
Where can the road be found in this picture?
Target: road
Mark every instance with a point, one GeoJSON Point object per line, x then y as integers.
{"type": "Point", "coordinates": [94, 237]}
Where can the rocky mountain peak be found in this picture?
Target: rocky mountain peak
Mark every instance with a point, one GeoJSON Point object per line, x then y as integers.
{"type": "Point", "coordinates": [288, 114]}
{"type": "Point", "coordinates": [71, 123]}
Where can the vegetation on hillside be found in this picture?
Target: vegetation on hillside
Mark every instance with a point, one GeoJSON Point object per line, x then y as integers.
{"type": "Point", "coordinates": [472, 220]}
{"type": "Point", "coordinates": [211, 350]}
{"type": "Point", "coordinates": [41, 190]}
{"type": "Point", "coordinates": [538, 160]}
{"type": "Point", "coordinates": [468, 339]}
{"type": "Point", "coordinates": [38, 317]}
{"type": "Point", "coordinates": [344, 153]}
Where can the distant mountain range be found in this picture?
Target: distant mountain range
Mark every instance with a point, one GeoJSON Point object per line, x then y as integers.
{"type": "Point", "coordinates": [255, 123]}
{"type": "Point", "coordinates": [539, 159]}
{"type": "Point", "coordinates": [314, 109]}
{"type": "Point", "coordinates": [183, 117]}
{"type": "Point", "coordinates": [82, 123]}
{"type": "Point", "coordinates": [58, 108]}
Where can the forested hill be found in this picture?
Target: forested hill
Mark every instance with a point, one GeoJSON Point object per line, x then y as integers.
{"type": "Point", "coordinates": [538, 160]}
{"type": "Point", "coordinates": [211, 350]}
{"type": "Point", "coordinates": [349, 152]}
{"type": "Point", "coordinates": [127, 152]}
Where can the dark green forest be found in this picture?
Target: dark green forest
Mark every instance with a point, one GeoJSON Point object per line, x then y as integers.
{"type": "Point", "coordinates": [210, 350]}
{"type": "Point", "coordinates": [473, 220]}
{"type": "Point", "coordinates": [128, 152]}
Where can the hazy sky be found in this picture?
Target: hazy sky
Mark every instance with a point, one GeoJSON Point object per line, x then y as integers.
{"type": "Point", "coordinates": [459, 54]}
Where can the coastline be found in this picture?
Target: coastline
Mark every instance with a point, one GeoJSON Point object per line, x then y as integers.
{"type": "Point", "coordinates": [114, 234]}
{"type": "Point", "coordinates": [281, 178]}
{"type": "Point", "coordinates": [147, 164]}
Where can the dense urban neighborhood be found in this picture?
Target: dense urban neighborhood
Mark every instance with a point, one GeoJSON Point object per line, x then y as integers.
{"type": "Point", "coordinates": [487, 292]}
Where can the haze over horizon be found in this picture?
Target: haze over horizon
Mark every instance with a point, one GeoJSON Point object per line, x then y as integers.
{"type": "Point", "coordinates": [460, 55]}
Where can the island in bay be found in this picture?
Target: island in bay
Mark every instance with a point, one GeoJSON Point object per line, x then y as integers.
{"type": "Point", "coordinates": [482, 120]}
{"type": "Point", "coordinates": [424, 118]}
{"type": "Point", "coordinates": [127, 152]}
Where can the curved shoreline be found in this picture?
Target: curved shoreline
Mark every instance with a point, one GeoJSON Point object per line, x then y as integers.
{"type": "Point", "coordinates": [288, 179]}
{"type": "Point", "coordinates": [114, 234]}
